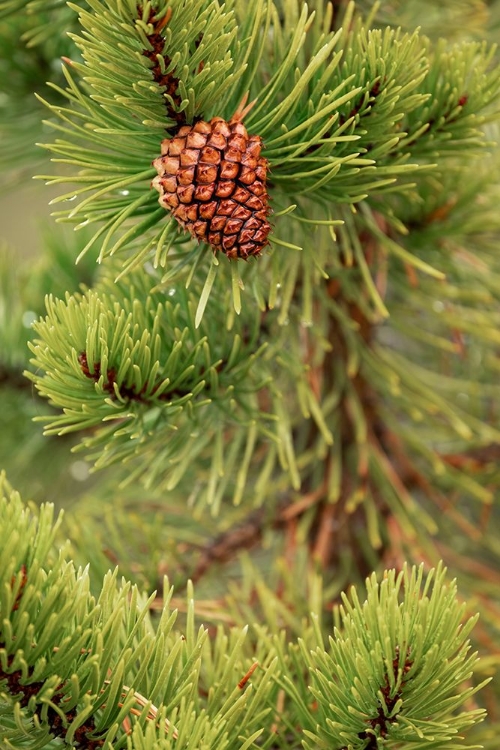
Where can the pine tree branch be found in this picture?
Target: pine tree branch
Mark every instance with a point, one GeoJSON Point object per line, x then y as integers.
{"type": "Point", "coordinates": [65, 659]}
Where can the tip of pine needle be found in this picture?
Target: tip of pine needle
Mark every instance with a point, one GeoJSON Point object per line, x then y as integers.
{"type": "Point", "coordinates": [206, 292]}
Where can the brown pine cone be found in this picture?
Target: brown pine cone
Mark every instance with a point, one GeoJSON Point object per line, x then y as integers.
{"type": "Point", "coordinates": [212, 178]}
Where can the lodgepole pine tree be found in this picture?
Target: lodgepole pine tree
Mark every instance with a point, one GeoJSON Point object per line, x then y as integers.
{"type": "Point", "coordinates": [255, 359]}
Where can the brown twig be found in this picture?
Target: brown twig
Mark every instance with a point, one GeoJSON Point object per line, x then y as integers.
{"type": "Point", "coordinates": [167, 81]}
{"type": "Point", "coordinates": [246, 677]}
{"type": "Point", "coordinates": [225, 546]}
{"type": "Point", "coordinates": [129, 393]}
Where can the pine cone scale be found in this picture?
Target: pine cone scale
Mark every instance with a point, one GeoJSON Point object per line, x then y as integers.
{"type": "Point", "coordinates": [212, 177]}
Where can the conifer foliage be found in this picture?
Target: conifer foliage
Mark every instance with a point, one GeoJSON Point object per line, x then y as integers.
{"type": "Point", "coordinates": [272, 470]}
{"type": "Point", "coordinates": [67, 661]}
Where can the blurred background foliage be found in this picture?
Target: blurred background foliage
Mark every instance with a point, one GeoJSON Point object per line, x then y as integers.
{"type": "Point", "coordinates": [440, 345]}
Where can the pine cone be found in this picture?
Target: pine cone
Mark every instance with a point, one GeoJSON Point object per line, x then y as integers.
{"type": "Point", "coordinates": [212, 178]}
